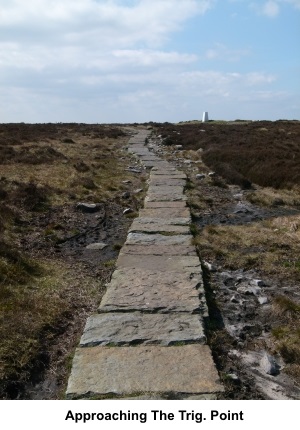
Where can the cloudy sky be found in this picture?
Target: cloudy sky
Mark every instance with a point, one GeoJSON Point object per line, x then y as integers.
{"type": "Point", "coordinates": [99, 61]}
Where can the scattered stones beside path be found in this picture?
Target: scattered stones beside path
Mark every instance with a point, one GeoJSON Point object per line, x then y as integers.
{"type": "Point", "coordinates": [148, 339]}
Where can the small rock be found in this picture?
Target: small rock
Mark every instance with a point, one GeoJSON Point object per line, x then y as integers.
{"type": "Point", "coordinates": [269, 365]}
{"type": "Point", "coordinates": [178, 146]}
{"type": "Point", "coordinates": [234, 353]}
{"type": "Point", "coordinates": [263, 300]}
{"type": "Point", "coordinates": [258, 282]}
{"type": "Point", "coordinates": [134, 170]}
{"type": "Point", "coordinates": [127, 211]}
{"type": "Point", "coordinates": [200, 150]}
{"type": "Point", "coordinates": [126, 182]}
{"type": "Point", "coordinates": [238, 196]}
{"type": "Point", "coordinates": [212, 174]}
{"type": "Point", "coordinates": [88, 207]}
{"type": "Point", "coordinates": [226, 275]}
{"type": "Point", "coordinates": [126, 195]}
{"type": "Point", "coordinates": [245, 290]}
{"type": "Point", "coordinates": [233, 377]}
{"type": "Point", "coordinates": [234, 300]}
{"type": "Point", "coordinates": [255, 290]}
{"type": "Point", "coordinates": [200, 176]}
{"type": "Point", "coordinates": [188, 161]}
{"type": "Point", "coordinates": [99, 245]}
{"type": "Point", "coordinates": [139, 190]}
{"type": "Point", "coordinates": [209, 266]}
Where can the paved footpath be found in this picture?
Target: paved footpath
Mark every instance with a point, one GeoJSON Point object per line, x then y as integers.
{"type": "Point", "coordinates": [147, 340]}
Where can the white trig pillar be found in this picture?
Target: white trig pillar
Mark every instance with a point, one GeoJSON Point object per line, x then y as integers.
{"type": "Point", "coordinates": [205, 117]}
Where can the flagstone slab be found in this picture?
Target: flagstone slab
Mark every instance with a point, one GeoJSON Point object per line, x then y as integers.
{"type": "Point", "coordinates": [167, 181]}
{"type": "Point", "coordinates": [166, 204]}
{"type": "Point", "coordinates": [141, 289]}
{"type": "Point", "coordinates": [165, 172]}
{"type": "Point", "coordinates": [168, 197]}
{"type": "Point", "coordinates": [103, 371]}
{"type": "Point", "coordinates": [169, 263]}
{"type": "Point", "coordinates": [166, 213]}
{"type": "Point", "coordinates": [158, 239]}
{"type": "Point", "coordinates": [138, 142]}
{"type": "Point", "coordinates": [149, 157]}
{"type": "Point", "coordinates": [179, 221]}
{"type": "Point", "coordinates": [139, 148]}
{"type": "Point", "coordinates": [138, 328]}
{"type": "Point", "coordinates": [155, 163]}
{"type": "Point", "coordinates": [151, 227]}
{"type": "Point", "coordinates": [164, 189]}
{"type": "Point", "coordinates": [138, 152]}
{"type": "Point", "coordinates": [159, 250]}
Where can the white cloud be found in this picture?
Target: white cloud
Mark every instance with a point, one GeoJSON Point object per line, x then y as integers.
{"type": "Point", "coordinates": [152, 58]}
{"type": "Point", "coordinates": [256, 78]}
{"type": "Point", "coordinates": [271, 9]}
{"type": "Point", "coordinates": [222, 52]}
{"type": "Point", "coordinates": [106, 22]}
{"type": "Point", "coordinates": [107, 61]}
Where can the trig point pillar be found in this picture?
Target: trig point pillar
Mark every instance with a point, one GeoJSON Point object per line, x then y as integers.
{"type": "Point", "coordinates": [205, 117]}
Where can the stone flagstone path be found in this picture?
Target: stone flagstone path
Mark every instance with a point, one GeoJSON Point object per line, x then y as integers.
{"type": "Point", "coordinates": [147, 340]}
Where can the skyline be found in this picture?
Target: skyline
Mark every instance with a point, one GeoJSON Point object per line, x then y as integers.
{"type": "Point", "coordinates": [110, 61]}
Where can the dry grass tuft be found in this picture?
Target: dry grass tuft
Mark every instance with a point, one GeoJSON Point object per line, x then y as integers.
{"type": "Point", "coordinates": [271, 246]}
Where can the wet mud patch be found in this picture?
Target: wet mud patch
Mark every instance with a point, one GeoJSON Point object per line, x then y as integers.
{"type": "Point", "coordinates": [240, 212]}
{"type": "Point", "coordinates": [100, 238]}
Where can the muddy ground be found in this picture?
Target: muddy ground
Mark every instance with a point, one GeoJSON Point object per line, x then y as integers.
{"type": "Point", "coordinates": [241, 297]}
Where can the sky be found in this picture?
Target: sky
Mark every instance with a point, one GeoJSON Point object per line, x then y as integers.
{"type": "Point", "coordinates": [120, 61]}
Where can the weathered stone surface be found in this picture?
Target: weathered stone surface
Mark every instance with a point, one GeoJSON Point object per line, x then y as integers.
{"type": "Point", "coordinates": [179, 221]}
{"type": "Point", "coordinates": [159, 250]}
{"type": "Point", "coordinates": [175, 174]}
{"type": "Point", "coordinates": [166, 213]}
{"type": "Point", "coordinates": [167, 197]}
{"type": "Point", "coordinates": [160, 227]}
{"type": "Point", "coordinates": [154, 369]}
{"type": "Point", "coordinates": [166, 204]}
{"type": "Point", "coordinates": [158, 239]}
{"type": "Point", "coordinates": [269, 365]}
{"type": "Point", "coordinates": [139, 289]}
{"type": "Point", "coordinates": [169, 263]}
{"type": "Point", "coordinates": [165, 189]}
{"type": "Point", "coordinates": [166, 181]}
{"type": "Point", "coordinates": [149, 157]}
{"type": "Point", "coordinates": [136, 328]}
{"type": "Point", "coordinates": [155, 163]}
{"type": "Point", "coordinates": [170, 168]}
{"type": "Point", "coordinates": [137, 149]}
